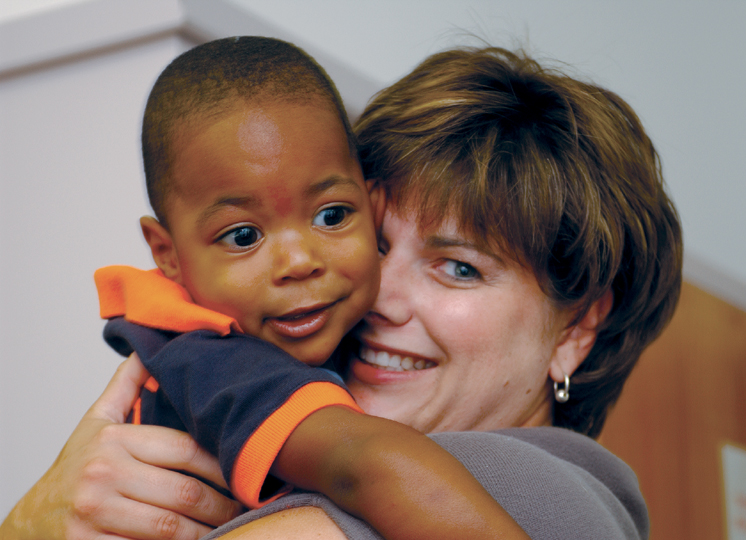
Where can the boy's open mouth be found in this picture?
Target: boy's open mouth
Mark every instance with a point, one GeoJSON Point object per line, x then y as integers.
{"type": "Point", "coordinates": [302, 322]}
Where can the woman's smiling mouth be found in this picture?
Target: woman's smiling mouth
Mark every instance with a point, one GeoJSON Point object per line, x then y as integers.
{"type": "Point", "coordinates": [393, 362]}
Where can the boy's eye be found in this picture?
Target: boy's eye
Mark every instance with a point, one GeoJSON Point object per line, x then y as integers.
{"type": "Point", "coordinates": [241, 237]}
{"type": "Point", "coordinates": [460, 270]}
{"type": "Point", "coordinates": [332, 216]}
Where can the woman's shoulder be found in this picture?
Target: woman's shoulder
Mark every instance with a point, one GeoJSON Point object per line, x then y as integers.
{"type": "Point", "coordinates": [552, 445]}
{"type": "Point", "coordinates": [566, 478]}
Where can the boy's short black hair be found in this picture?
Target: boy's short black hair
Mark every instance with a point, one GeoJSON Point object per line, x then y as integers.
{"type": "Point", "coordinates": [209, 79]}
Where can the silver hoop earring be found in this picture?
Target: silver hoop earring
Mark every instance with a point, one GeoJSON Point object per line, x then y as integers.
{"type": "Point", "coordinates": [562, 394]}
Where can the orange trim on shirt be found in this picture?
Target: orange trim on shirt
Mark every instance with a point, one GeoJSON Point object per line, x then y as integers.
{"type": "Point", "coordinates": [260, 450]}
{"type": "Point", "coordinates": [148, 298]}
{"type": "Point", "coordinates": [136, 412]}
{"type": "Point", "coordinates": [151, 384]}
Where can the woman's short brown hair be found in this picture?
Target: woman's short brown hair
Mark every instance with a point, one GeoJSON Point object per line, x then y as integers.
{"type": "Point", "coordinates": [555, 172]}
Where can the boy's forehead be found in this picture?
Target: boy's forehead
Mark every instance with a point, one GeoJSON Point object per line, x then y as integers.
{"type": "Point", "coordinates": [266, 136]}
{"type": "Point", "coordinates": [256, 123]}
{"type": "Point", "coordinates": [258, 134]}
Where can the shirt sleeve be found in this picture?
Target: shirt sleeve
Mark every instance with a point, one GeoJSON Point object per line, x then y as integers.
{"type": "Point", "coordinates": [238, 396]}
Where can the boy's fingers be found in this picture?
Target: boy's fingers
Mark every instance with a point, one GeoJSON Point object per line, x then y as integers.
{"type": "Point", "coordinates": [121, 393]}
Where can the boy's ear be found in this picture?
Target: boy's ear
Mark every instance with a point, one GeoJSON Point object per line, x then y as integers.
{"type": "Point", "coordinates": [377, 201]}
{"type": "Point", "coordinates": [162, 247]}
{"type": "Point", "coordinates": [577, 341]}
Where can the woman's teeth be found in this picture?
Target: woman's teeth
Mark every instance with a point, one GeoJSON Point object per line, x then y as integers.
{"type": "Point", "coordinates": [393, 362]}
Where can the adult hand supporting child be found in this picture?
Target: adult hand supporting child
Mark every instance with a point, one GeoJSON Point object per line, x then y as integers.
{"type": "Point", "coordinates": [119, 480]}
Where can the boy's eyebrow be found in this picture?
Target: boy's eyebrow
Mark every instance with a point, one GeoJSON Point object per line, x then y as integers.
{"type": "Point", "coordinates": [249, 201]}
{"type": "Point", "coordinates": [436, 241]}
{"type": "Point", "coordinates": [252, 201]}
{"type": "Point", "coordinates": [328, 183]}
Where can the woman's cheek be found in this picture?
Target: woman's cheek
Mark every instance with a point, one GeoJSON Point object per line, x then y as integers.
{"type": "Point", "coordinates": [464, 319]}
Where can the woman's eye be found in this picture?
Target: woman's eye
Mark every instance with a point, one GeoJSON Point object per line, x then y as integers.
{"type": "Point", "coordinates": [241, 237]}
{"type": "Point", "coordinates": [460, 270]}
{"type": "Point", "coordinates": [332, 216]}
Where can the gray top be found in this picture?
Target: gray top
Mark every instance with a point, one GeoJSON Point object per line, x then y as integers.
{"type": "Point", "coordinates": [557, 484]}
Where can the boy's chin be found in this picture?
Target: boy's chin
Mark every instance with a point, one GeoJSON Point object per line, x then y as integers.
{"type": "Point", "coordinates": [311, 354]}
{"type": "Point", "coordinates": [314, 362]}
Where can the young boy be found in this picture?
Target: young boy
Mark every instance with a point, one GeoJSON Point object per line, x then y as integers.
{"type": "Point", "coordinates": [265, 241]}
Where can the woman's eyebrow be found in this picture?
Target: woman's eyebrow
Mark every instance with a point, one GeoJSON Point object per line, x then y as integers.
{"type": "Point", "coordinates": [440, 242]}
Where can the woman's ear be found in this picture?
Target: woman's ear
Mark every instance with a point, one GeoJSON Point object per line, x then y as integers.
{"type": "Point", "coordinates": [577, 341]}
{"type": "Point", "coordinates": [162, 247]}
{"type": "Point", "coordinates": [377, 201]}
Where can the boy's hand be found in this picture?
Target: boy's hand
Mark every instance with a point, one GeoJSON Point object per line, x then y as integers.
{"type": "Point", "coordinates": [112, 479]}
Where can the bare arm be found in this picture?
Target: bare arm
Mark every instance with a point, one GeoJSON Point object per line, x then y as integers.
{"type": "Point", "coordinates": [399, 481]}
{"type": "Point", "coordinates": [113, 479]}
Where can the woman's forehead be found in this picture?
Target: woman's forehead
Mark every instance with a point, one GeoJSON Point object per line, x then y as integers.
{"type": "Point", "coordinates": [453, 225]}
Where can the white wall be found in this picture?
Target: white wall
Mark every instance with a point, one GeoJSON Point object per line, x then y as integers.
{"type": "Point", "coordinates": [679, 64]}
{"type": "Point", "coordinates": [70, 196]}
{"type": "Point", "coordinates": [14, 9]}
{"type": "Point", "coordinates": [70, 180]}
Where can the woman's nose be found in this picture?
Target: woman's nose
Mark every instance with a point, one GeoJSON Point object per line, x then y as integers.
{"type": "Point", "coordinates": [393, 305]}
{"type": "Point", "coordinates": [296, 257]}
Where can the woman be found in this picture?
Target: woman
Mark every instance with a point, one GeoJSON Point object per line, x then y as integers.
{"type": "Point", "coordinates": [529, 254]}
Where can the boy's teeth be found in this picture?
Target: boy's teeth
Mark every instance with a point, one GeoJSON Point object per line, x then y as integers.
{"type": "Point", "coordinates": [393, 362]}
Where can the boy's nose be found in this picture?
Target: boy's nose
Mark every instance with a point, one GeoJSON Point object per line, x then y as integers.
{"type": "Point", "coordinates": [296, 258]}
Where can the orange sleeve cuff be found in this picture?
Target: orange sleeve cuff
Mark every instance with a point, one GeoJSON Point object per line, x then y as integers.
{"type": "Point", "coordinates": [148, 298]}
{"type": "Point", "coordinates": [260, 450]}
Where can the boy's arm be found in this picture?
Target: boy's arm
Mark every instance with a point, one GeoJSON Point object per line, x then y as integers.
{"type": "Point", "coordinates": [396, 479]}
{"type": "Point", "coordinates": [238, 396]}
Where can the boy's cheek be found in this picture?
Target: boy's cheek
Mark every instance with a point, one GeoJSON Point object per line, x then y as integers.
{"type": "Point", "coordinates": [360, 261]}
